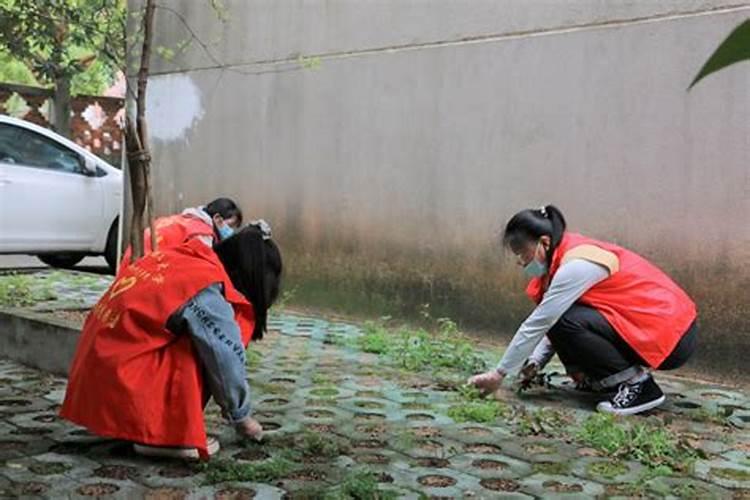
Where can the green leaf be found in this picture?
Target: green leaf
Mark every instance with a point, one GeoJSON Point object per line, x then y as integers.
{"type": "Point", "coordinates": [734, 49]}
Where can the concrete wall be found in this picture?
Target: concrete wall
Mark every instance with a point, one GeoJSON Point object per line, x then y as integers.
{"type": "Point", "coordinates": [390, 154]}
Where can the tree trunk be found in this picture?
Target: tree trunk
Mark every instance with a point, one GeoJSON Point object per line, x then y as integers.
{"type": "Point", "coordinates": [61, 106]}
{"type": "Point", "coordinates": [139, 157]}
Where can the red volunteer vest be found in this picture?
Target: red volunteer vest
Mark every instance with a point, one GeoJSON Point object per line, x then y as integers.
{"type": "Point", "coordinates": [133, 379]}
{"type": "Point", "coordinates": [647, 308]}
{"type": "Point", "coordinates": [171, 231]}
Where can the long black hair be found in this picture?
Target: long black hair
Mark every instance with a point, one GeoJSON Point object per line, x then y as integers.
{"type": "Point", "coordinates": [254, 265]}
{"type": "Point", "coordinates": [527, 226]}
{"type": "Point", "coordinates": [225, 207]}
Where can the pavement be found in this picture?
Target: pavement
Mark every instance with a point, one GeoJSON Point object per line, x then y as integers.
{"type": "Point", "coordinates": [28, 262]}
{"type": "Point", "coordinates": [342, 423]}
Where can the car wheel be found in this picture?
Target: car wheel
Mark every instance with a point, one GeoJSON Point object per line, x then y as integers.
{"type": "Point", "coordinates": [65, 261]}
{"type": "Point", "coordinates": [110, 252]}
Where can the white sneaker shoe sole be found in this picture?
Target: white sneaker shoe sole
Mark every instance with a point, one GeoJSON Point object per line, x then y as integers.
{"type": "Point", "coordinates": [606, 406]}
{"type": "Point", "coordinates": [176, 452]}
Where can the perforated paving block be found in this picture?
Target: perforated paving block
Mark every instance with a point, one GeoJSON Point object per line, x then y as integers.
{"type": "Point", "coordinates": [309, 378]}
{"type": "Point", "coordinates": [556, 486]}
{"type": "Point", "coordinates": [728, 474]}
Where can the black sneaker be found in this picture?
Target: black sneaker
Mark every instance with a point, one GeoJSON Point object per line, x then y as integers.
{"type": "Point", "coordinates": [634, 398]}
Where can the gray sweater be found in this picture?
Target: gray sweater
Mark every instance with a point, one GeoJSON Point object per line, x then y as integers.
{"type": "Point", "coordinates": [571, 281]}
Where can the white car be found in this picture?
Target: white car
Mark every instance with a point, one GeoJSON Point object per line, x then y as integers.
{"type": "Point", "coordinates": [58, 201]}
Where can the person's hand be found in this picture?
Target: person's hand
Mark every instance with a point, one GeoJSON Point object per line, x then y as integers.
{"type": "Point", "coordinates": [249, 428]}
{"type": "Point", "coordinates": [487, 382]}
{"type": "Point", "coordinates": [528, 372]}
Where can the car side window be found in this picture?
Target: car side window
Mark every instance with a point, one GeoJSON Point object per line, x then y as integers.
{"type": "Point", "coordinates": [27, 148]}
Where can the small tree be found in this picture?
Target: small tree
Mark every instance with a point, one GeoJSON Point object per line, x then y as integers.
{"type": "Point", "coordinates": [59, 39]}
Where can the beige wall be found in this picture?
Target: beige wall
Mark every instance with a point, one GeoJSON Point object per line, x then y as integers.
{"type": "Point", "coordinates": [388, 170]}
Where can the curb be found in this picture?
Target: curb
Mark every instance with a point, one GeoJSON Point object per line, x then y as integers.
{"type": "Point", "coordinates": [38, 341]}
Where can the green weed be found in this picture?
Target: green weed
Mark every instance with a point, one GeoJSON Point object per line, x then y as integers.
{"type": "Point", "coordinates": [608, 469]}
{"type": "Point", "coordinates": [319, 445]}
{"type": "Point", "coordinates": [219, 471]}
{"type": "Point", "coordinates": [544, 421]}
{"type": "Point", "coordinates": [22, 290]}
{"type": "Point", "coordinates": [361, 485]}
{"type": "Point", "coordinates": [484, 412]}
{"type": "Point", "coordinates": [650, 444]}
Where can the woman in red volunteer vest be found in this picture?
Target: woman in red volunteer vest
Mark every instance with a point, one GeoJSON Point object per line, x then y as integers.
{"type": "Point", "coordinates": [170, 331]}
{"type": "Point", "coordinates": [210, 224]}
{"type": "Point", "coordinates": [608, 313]}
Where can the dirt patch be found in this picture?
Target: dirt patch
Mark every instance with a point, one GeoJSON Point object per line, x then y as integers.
{"type": "Point", "coordinates": [321, 428]}
{"type": "Point", "coordinates": [321, 402]}
{"type": "Point", "coordinates": [45, 419]}
{"type": "Point", "coordinates": [426, 432]}
{"type": "Point", "coordinates": [97, 490]}
{"type": "Point", "coordinates": [270, 426]}
{"type": "Point", "coordinates": [559, 487]}
{"type": "Point", "coordinates": [436, 481]}
{"type": "Point", "coordinates": [437, 463]}
{"type": "Point", "coordinates": [429, 446]}
{"type": "Point", "coordinates": [487, 464]}
{"type": "Point", "coordinates": [70, 448]}
{"type": "Point", "coordinates": [369, 417]}
{"type": "Point", "coordinates": [48, 468]}
{"type": "Point", "coordinates": [368, 394]}
{"type": "Point", "coordinates": [235, 494]}
{"type": "Point", "coordinates": [284, 381]}
{"type": "Point", "coordinates": [12, 403]}
{"type": "Point", "coordinates": [477, 431]}
{"type": "Point", "coordinates": [12, 445]}
{"type": "Point", "coordinates": [500, 484]}
{"type": "Point", "coordinates": [25, 431]}
{"type": "Point", "coordinates": [176, 471]}
{"type": "Point", "coordinates": [369, 405]}
{"type": "Point", "coordinates": [274, 402]}
{"type": "Point", "coordinates": [118, 472]}
{"type": "Point", "coordinates": [30, 488]}
{"type": "Point", "coordinates": [252, 455]}
{"type": "Point", "coordinates": [587, 452]}
{"type": "Point", "coordinates": [483, 448]}
{"type": "Point", "coordinates": [166, 494]}
{"type": "Point", "coordinates": [420, 416]}
{"type": "Point", "coordinates": [370, 381]}
{"type": "Point", "coordinates": [372, 458]}
{"type": "Point", "coordinates": [368, 443]}
{"type": "Point", "coordinates": [319, 414]}
{"type": "Point", "coordinates": [307, 475]}
{"type": "Point", "coordinates": [371, 429]}
{"type": "Point", "coordinates": [415, 406]}
{"type": "Point", "coordinates": [538, 449]}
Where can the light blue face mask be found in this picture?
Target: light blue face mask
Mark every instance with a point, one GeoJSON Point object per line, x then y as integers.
{"type": "Point", "coordinates": [535, 269]}
{"type": "Point", "coordinates": [225, 231]}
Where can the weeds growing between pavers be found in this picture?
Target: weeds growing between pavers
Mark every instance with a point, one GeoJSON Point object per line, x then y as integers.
{"type": "Point", "coordinates": [23, 290]}
{"type": "Point", "coordinates": [418, 350]}
{"type": "Point", "coordinates": [651, 444]}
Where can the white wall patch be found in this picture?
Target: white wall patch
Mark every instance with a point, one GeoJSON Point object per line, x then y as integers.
{"type": "Point", "coordinates": [173, 105]}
